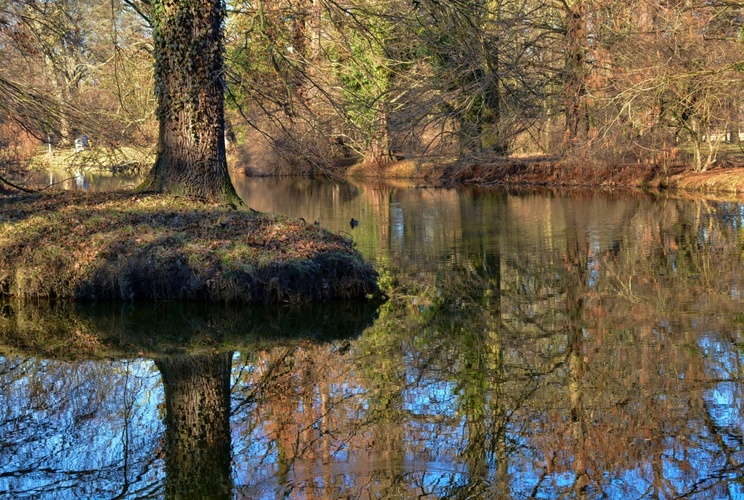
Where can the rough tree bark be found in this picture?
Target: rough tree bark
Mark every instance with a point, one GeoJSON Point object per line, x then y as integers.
{"type": "Point", "coordinates": [188, 43]}
{"type": "Point", "coordinates": [577, 115]}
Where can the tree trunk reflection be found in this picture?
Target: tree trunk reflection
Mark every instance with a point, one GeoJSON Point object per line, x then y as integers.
{"type": "Point", "coordinates": [197, 419]}
{"type": "Point", "coordinates": [577, 262]}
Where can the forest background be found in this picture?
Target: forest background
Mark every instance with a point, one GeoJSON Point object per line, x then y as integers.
{"type": "Point", "coordinates": [320, 86]}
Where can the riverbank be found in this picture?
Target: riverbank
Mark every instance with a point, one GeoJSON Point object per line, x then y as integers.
{"type": "Point", "coordinates": [727, 176]}
{"type": "Point", "coordinates": [551, 172]}
{"type": "Point", "coordinates": [537, 172]}
{"type": "Point", "coordinates": [127, 246]}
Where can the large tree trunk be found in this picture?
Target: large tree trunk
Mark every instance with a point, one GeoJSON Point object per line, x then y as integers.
{"type": "Point", "coordinates": [577, 115]}
{"type": "Point", "coordinates": [197, 435]}
{"type": "Point", "coordinates": [190, 91]}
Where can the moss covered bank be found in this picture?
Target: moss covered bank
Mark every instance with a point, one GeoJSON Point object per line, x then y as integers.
{"type": "Point", "coordinates": [125, 246]}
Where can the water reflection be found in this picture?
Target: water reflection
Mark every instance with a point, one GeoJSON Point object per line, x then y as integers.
{"type": "Point", "coordinates": [136, 427]}
{"type": "Point", "coordinates": [197, 424]}
{"type": "Point", "coordinates": [537, 345]}
{"type": "Point", "coordinates": [91, 179]}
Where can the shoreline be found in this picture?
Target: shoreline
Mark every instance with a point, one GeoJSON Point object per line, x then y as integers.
{"type": "Point", "coordinates": [550, 173]}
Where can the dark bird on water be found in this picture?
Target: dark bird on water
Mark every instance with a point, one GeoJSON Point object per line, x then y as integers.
{"type": "Point", "coordinates": [353, 223]}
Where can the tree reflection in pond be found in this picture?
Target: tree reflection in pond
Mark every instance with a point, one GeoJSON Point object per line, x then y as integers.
{"type": "Point", "coordinates": [551, 347]}
{"type": "Point", "coordinates": [197, 424]}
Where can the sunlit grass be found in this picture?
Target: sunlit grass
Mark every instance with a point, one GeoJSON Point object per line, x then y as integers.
{"type": "Point", "coordinates": [153, 247]}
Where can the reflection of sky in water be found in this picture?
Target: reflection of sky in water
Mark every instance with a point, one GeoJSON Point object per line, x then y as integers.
{"type": "Point", "coordinates": [109, 430]}
{"type": "Point", "coordinates": [91, 428]}
{"type": "Point", "coordinates": [397, 224]}
{"type": "Point", "coordinates": [724, 405]}
{"type": "Point", "coordinates": [723, 358]}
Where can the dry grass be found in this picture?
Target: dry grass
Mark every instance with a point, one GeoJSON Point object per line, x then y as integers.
{"type": "Point", "coordinates": [719, 180]}
{"type": "Point", "coordinates": [402, 169]}
{"type": "Point", "coordinates": [124, 246]}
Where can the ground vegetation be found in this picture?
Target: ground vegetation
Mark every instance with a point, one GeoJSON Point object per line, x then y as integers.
{"type": "Point", "coordinates": [124, 246]}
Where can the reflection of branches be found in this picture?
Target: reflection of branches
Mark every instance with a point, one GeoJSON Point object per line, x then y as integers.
{"type": "Point", "coordinates": [732, 466]}
{"type": "Point", "coordinates": [52, 407]}
{"type": "Point", "coordinates": [127, 402]}
{"type": "Point", "coordinates": [278, 368]}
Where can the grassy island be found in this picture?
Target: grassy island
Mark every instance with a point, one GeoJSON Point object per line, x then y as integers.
{"type": "Point", "coordinates": [155, 247]}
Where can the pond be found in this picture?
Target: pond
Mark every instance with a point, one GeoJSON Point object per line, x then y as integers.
{"type": "Point", "coordinates": [536, 344]}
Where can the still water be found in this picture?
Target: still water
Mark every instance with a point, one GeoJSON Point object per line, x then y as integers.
{"type": "Point", "coordinates": [536, 345]}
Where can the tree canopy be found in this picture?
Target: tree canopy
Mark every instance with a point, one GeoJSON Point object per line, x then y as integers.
{"type": "Point", "coordinates": [316, 85]}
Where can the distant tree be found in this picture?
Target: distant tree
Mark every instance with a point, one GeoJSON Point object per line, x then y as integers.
{"type": "Point", "coordinates": [316, 77]}
{"type": "Point", "coordinates": [575, 72]}
{"type": "Point", "coordinates": [674, 72]}
{"type": "Point", "coordinates": [262, 37]}
{"type": "Point", "coordinates": [53, 37]}
{"type": "Point", "coordinates": [189, 86]}
{"type": "Point", "coordinates": [78, 64]}
{"type": "Point", "coordinates": [463, 41]}
{"type": "Point", "coordinates": [365, 67]}
{"type": "Point", "coordinates": [494, 63]}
